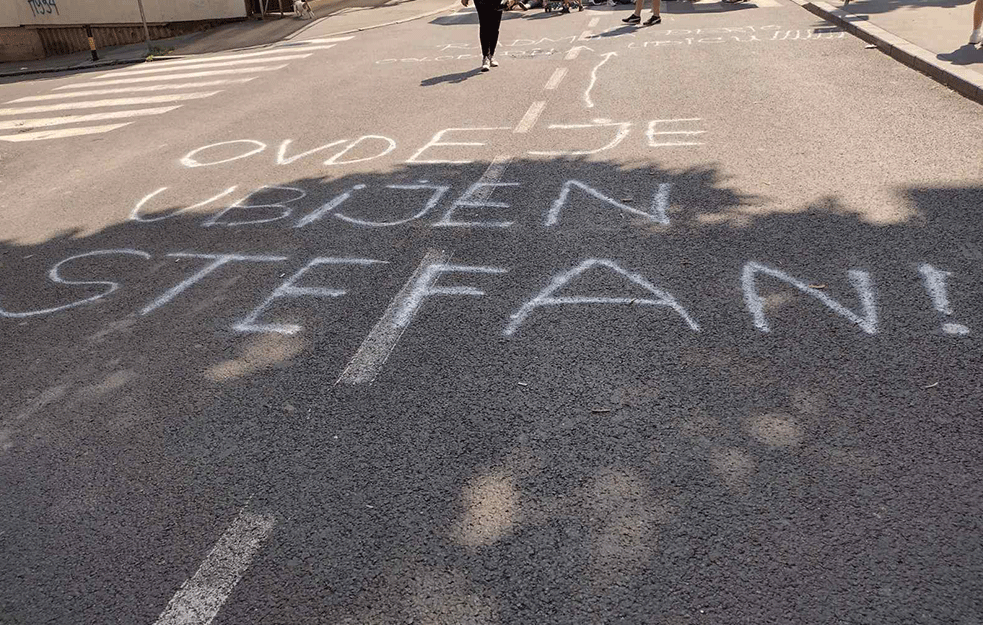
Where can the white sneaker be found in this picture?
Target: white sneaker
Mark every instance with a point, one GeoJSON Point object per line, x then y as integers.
{"type": "Point", "coordinates": [485, 64]}
{"type": "Point", "coordinates": [492, 61]}
{"type": "Point", "coordinates": [976, 37]}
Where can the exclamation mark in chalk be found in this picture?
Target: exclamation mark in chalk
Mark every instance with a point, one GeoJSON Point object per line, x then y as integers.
{"type": "Point", "coordinates": [935, 284]}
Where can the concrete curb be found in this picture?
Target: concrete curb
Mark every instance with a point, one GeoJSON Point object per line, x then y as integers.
{"type": "Point", "coordinates": [962, 80]}
{"type": "Point", "coordinates": [73, 68]}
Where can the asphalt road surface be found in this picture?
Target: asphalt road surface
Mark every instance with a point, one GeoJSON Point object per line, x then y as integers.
{"type": "Point", "coordinates": [659, 325]}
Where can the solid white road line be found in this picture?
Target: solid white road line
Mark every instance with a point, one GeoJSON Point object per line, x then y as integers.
{"type": "Point", "coordinates": [558, 75]}
{"type": "Point", "coordinates": [163, 68]}
{"type": "Point", "coordinates": [380, 342]}
{"type": "Point", "coordinates": [529, 119]}
{"type": "Point", "coordinates": [201, 597]}
{"type": "Point", "coordinates": [217, 72]}
{"type": "Point", "coordinates": [94, 104]}
{"type": "Point", "coordinates": [78, 119]}
{"type": "Point", "coordinates": [310, 41]}
{"type": "Point", "coordinates": [144, 89]}
{"type": "Point", "coordinates": [42, 135]}
{"type": "Point", "coordinates": [675, 121]}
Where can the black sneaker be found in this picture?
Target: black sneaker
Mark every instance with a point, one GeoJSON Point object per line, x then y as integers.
{"type": "Point", "coordinates": [565, 10]}
{"type": "Point", "coordinates": [652, 21]}
{"type": "Point", "coordinates": [632, 19]}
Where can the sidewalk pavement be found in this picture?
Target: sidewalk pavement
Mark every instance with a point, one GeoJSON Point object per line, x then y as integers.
{"type": "Point", "coordinates": [931, 36]}
{"type": "Point", "coordinates": [332, 17]}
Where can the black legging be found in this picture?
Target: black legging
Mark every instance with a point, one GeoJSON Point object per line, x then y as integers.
{"type": "Point", "coordinates": [489, 18]}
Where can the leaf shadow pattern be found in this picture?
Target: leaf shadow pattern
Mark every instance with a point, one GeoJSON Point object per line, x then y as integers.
{"type": "Point", "coordinates": [603, 463]}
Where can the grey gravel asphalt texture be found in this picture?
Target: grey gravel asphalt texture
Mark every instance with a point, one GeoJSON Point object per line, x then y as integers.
{"type": "Point", "coordinates": [609, 460]}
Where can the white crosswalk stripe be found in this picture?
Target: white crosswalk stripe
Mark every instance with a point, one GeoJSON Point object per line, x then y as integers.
{"type": "Point", "coordinates": [77, 119]}
{"type": "Point", "coordinates": [143, 89]}
{"type": "Point", "coordinates": [231, 57]}
{"type": "Point", "coordinates": [216, 72]}
{"type": "Point", "coordinates": [95, 104]}
{"type": "Point", "coordinates": [305, 42]}
{"type": "Point", "coordinates": [167, 67]}
{"type": "Point", "coordinates": [133, 92]}
{"type": "Point", "coordinates": [61, 134]}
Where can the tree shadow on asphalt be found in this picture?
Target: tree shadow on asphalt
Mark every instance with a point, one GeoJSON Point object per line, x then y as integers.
{"type": "Point", "coordinates": [602, 462]}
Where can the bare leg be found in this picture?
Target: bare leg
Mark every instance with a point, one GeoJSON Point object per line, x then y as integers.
{"type": "Point", "coordinates": [640, 4]}
{"type": "Point", "coordinates": [978, 15]}
{"type": "Point", "coordinates": [657, 6]}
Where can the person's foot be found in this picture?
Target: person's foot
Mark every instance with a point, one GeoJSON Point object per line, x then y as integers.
{"type": "Point", "coordinates": [612, 3]}
{"type": "Point", "coordinates": [976, 37]}
{"type": "Point", "coordinates": [485, 64]}
{"type": "Point", "coordinates": [655, 19]}
{"type": "Point", "coordinates": [492, 61]}
{"type": "Point", "coordinates": [632, 19]}
{"type": "Point", "coordinates": [565, 10]}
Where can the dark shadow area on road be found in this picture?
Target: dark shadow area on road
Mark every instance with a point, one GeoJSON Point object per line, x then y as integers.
{"type": "Point", "coordinates": [886, 6]}
{"type": "Point", "coordinates": [608, 461]}
{"type": "Point", "coordinates": [470, 18]}
{"type": "Point", "coordinates": [965, 55]}
{"type": "Point", "coordinates": [454, 78]}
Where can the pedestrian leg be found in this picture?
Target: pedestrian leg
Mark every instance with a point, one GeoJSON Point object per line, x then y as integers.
{"type": "Point", "coordinates": [635, 17]}
{"type": "Point", "coordinates": [495, 24]}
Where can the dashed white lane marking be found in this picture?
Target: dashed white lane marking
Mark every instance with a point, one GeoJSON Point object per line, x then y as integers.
{"type": "Point", "coordinates": [61, 134]}
{"type": "Point", "coordinates": [200, 598]}
{"type": "Point", "coordinates": [145, 89]}
{"type": "Point", "coordinates": [494, 173]}
{"type": "Point", "coordinates": [381, 341]}
{"type": "Point", "coordinates": [529, 119]}
{"type": "Point", "coordinates": [574, 52]}
{"type": "Point", "coordinates": [558, 75]}
{"type": "Point", "coordinates": [586, 35]}
{"type": "Point", "coordinates": [594, 22]}
{"type": "Point", "coordinates": [164, 68]}
{"type": "Point", "coordinates": [93, 104]}
{"type": "Point", "coordinates": [766, 3]}
{"type": "Point", "coordinates": [78, 119]}
{"type": "Point", "coordinates": [216, 72]}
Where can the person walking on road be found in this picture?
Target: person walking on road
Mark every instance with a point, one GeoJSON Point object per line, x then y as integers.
{"type": "Point", "coordinates": [977, 35]}
{"type": "Point", "coordinates": [636, 17]}
{"type": "Point", "coordinates": [489, 21]}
